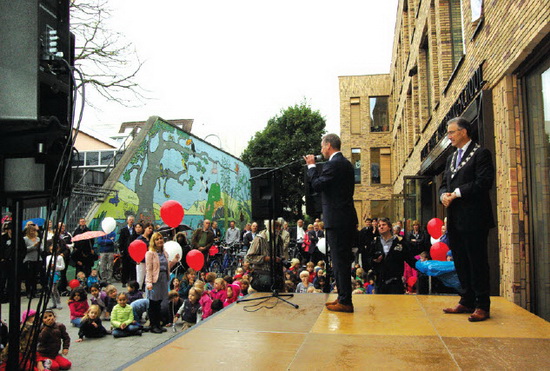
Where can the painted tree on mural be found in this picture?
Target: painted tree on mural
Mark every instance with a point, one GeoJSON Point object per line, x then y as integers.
{"type": "Point", "coordinates": [157, 158]}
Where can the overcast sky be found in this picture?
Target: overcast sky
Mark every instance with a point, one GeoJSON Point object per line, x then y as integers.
{"type": "Point", "coordinates": [232, 65]}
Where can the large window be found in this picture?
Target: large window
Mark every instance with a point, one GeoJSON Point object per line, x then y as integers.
{"type": "Point", "coordinates": [355, 119]}
{"type": "Point", "coordinates": [538, 110]}
{"type": "Point", "coordinates": [94, 158]}
{"type": "Point", "coordinates": [356, 162]}
{"type": "Point", "coordinates": [379, 114]}
{"type": "Point", "coordinates": [457, 35]}
{"type": "Point", "coordinates": [380, 166]}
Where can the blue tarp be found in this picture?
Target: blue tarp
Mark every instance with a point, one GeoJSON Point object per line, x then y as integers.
{"type": "Point", "coordinates": [444, 271]}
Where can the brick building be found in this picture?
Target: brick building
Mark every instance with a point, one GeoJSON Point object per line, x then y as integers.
{"type": "Point", "coordinates": [489, 62]}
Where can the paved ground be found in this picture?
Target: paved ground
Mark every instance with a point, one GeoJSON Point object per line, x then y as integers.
{"type": "Point", "coordinates": [101, 354]}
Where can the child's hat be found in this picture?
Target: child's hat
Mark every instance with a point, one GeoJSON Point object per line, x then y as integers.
{"type": "Point", "coordinates": [27, 314]}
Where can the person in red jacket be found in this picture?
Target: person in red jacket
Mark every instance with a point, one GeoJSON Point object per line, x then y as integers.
{"type": "Point", "coordinates": [78, 305]}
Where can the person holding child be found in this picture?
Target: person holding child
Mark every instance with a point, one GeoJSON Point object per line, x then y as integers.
{"type": "Point", "coordinates": [51, 339]}
{"type": "Point", "coordinates": [122, 318]}
{"type": "Point", "coordinates": [157, 268]}
{"type": "Point", "coordinates": [91, 326]}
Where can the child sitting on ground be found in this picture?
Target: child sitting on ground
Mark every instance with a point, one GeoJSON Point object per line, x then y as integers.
{"type": "Point", "coordinates": [219, 291]}
{"type": "Point", "coordinates": [310, 268]}
{"type": "Point", "coordinates": [25, 338]}
{"type": "Point", "coordinates": [190, 311]}
{"type": "Point", "coordinates": [305, 284]}
{"type": "Point", "coordinates": [122, 318]}
{"type": "Point", "coordinates": [188, 281]}
{"type": "Point", "coordinates": [94, 278]}
{"type": "Point", "coordinates": [111, 300]}
{"type": "Point", "coordinates": [239, 272]}
{"type": "Point", "coordinates": [245, 285]}
{"type": "Point", "coordinates": [99, 297]}
{"type": "Point", "coordinates": [205, 300]}
{"type": "Point", "coordinates": [217, 305]}
{"type": "Point", "coordinates": [133, 291]}
{"type": "Point", "coordinates": [78, 305]}
{"type": "Point", "coordinates": [91, 326]}
{"type": "Point", "coordinates": [51, 339]}
{"type": "Point", "coordinates": [210, 278]}
{"type": "Point", "coordinates": [233, 292]}
{"type": "Point", "coordinates": [174, 304]}
{"type": "Point", "coordinates": [175, 284]}
{"type": "Point", "coordinates": [81, 277]}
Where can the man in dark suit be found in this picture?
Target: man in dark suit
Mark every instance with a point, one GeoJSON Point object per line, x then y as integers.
{"type": "Point", "coordinates": [469, 175]}
{"type": "Point", "coordinates": [127, 236]}
{"type": "Point", "coordinates": [336, 184]}
{"type": "Point", "coordinates": [314, 237]}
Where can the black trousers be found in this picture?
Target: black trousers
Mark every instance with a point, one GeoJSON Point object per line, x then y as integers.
{"type": "Point", "coordinates": [154, 313]}
{"type": "Point", "coordinates": [340, 241]}
{"type": "Point", "coordinates": [128, 269]}
{"type": "Point", "coordinates": [472, 266]}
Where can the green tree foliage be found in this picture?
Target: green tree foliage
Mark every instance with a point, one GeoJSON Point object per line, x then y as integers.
{"type": "Point", "coordinates": [296, 131]}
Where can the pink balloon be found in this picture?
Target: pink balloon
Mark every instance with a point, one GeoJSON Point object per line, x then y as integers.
{"type": "Point", "coordinates": [439, 251]}
{"type": "Point", "coordinates": [137, 250]}
{"type": "Point", "coordinates": [195, 259]}
{"type": "Point", "coordinates": [434, 227]}
{"type": "Point", "coordinates": [171, 213]}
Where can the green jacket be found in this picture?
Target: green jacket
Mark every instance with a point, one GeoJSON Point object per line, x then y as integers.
{"type": "Point", "coordinates": [121, 315]}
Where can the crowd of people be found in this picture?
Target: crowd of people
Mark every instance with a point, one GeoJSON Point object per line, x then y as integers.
{"type": "Point", "coordinates": [167, 290]}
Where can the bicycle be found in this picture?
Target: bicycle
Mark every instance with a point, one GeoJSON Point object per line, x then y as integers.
{"type": "Point", "coordinates": [227, 259]}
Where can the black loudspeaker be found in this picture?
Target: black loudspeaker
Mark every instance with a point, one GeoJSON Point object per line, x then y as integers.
{"type": "Point", "coordinates": [314, 207]}
{"type": "Point", "coordinates": [266, 193]}
{"type": "Point", "coordinates": [36, 97]}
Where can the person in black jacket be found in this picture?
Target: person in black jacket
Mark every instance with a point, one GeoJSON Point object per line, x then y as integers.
{"type": "Point", "coordinates": [336, 184]}
{"type": "Point", "coordinates": [366, 236]}
{"type": "Point", "coordinates": [418, 239]}
{"type": "Point", "coordinates": [127, 235]}
{"type": "Point", "coordinates": [389, 253]}
{"type": "Point", "coordinates": [464, 191]}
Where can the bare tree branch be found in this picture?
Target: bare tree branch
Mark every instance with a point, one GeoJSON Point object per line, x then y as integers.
{"type": "Point", "coordinates": [108, 63]}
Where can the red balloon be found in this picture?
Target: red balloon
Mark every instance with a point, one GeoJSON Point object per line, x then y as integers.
{"type": "Point", "coordinates": [171, 213]}
{"type": "Point", "coordinates": [439, 251]}
{"type": "Point", "coordinates": [137, 250]}
{"type": "Point", "coordinates": [73, 284]}
{"type": "Point", "coordinates": [434, 227]}
{"type": "Point", "coordinates": [195, 259]}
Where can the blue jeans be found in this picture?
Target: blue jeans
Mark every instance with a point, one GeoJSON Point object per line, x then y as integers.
{"type": "Point", "coordinates": [130, 330]}
{"type": "Point", "coordinates": [76, 322]}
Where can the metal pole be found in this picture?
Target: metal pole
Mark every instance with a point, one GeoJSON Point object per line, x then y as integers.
{"type": "Point", "coordinates": [14, 288]}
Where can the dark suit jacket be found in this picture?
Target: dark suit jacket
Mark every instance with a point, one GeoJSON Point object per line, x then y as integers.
{"type": "Point", "coordinates": [336, 184]}
{"type": "Point", "coordinates": [475, 178]}
{"type": "Point", "coordinates": [125, 239]}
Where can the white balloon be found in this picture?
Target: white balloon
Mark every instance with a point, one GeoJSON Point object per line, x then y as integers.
{"type": "Point", "coordinates": [322, 245]}
{"type": "Point", "coordinates": [173, 248]}
{"type": "Point", "coordinates": [433, 240]}
{"type": "Point", "coordinates": [108, 224]}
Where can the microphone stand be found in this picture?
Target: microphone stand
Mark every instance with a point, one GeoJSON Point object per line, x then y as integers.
{"type": "Point", "coordinates": [273, 236]}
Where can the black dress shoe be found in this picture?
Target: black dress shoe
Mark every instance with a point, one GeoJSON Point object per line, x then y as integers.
{"type": "Point", "coordinates": [163, 329]}
{"type": "Point", "coordinates": [146, 329]}
{"type": "Point", "coordinates": [156, 330]}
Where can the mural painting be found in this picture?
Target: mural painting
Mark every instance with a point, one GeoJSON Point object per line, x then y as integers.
{"type": "Point", "coordinates": [170, 164]}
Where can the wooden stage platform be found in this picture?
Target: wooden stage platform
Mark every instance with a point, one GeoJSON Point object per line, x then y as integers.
{"type": "Point", "coordinates": [386, 332]}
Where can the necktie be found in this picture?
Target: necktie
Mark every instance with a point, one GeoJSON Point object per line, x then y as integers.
{"type": "Point", "coordinates": [459, 157]}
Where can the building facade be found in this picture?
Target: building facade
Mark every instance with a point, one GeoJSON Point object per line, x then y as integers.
{"type": "Point", "coordinates": [489, 62]}
{"type": "Point", "coordinates": [366, 141]}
